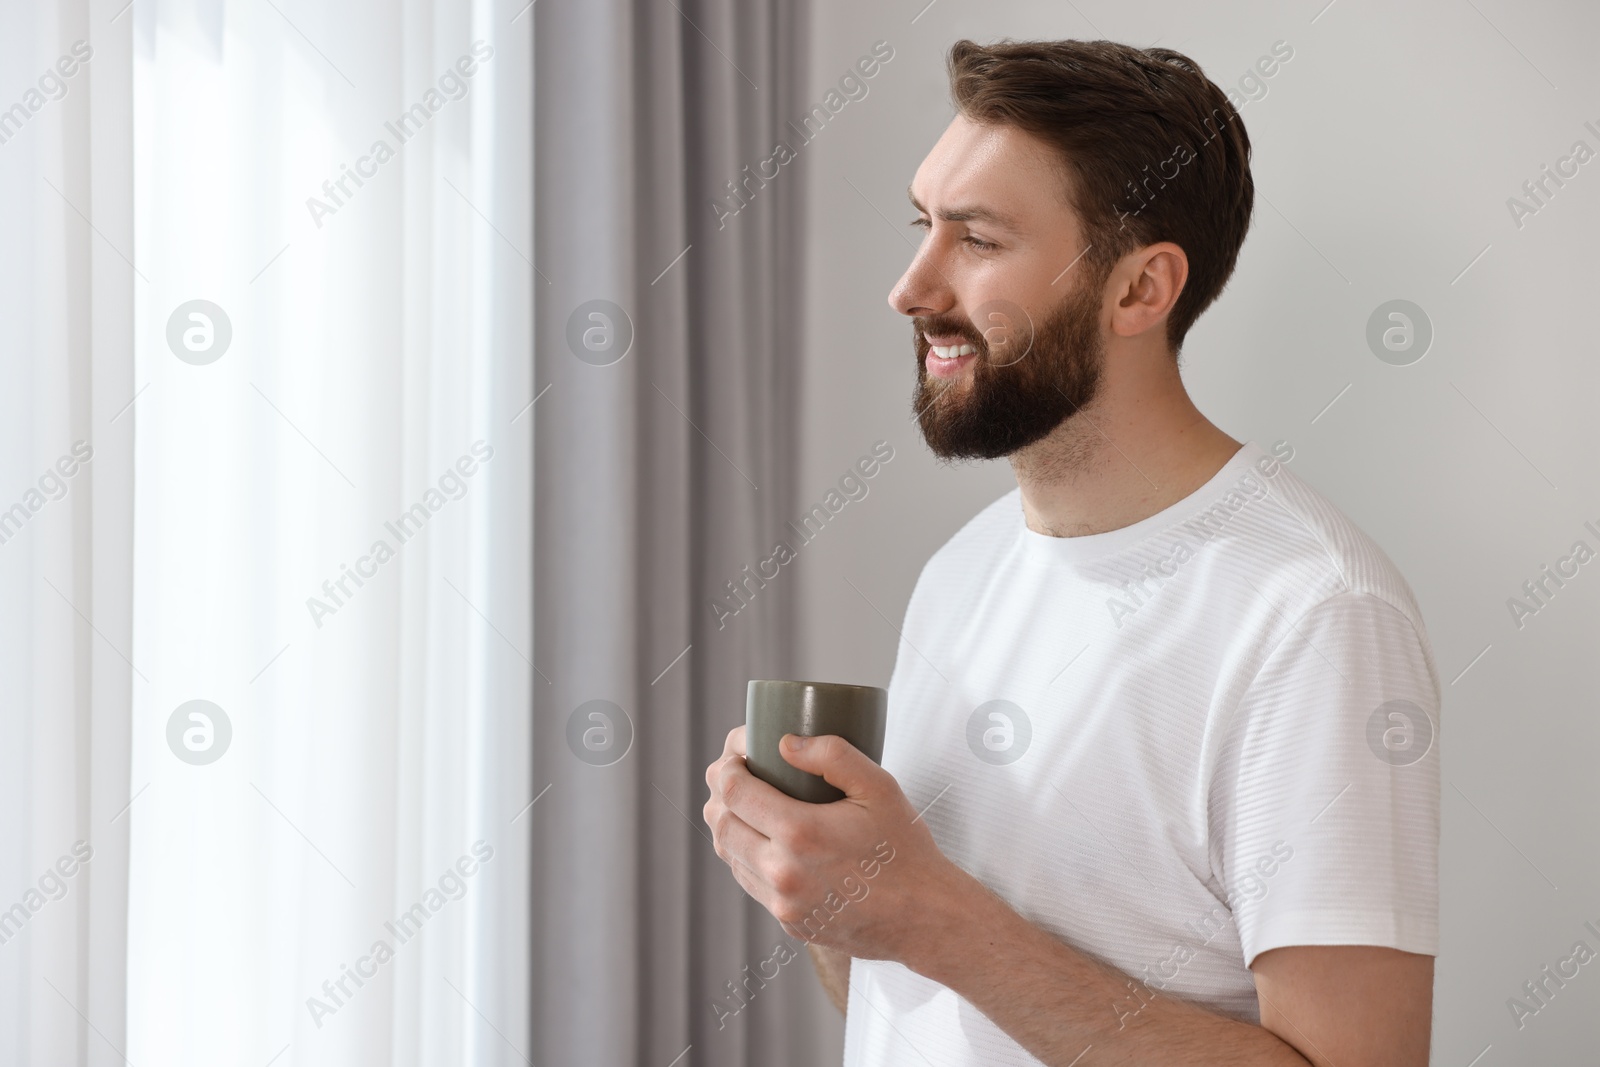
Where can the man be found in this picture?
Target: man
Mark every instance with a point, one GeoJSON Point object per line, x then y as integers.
{"type": "Point", "coordinates": [1160, 782]}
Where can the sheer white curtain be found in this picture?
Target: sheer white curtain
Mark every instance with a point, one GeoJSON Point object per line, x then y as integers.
{"type": "Point", "coordinates": [67, 287]}
{"type": "Point", "coordinates": [331, 530]}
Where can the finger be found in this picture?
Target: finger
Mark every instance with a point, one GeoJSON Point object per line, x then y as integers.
{"type": "Point", "coordinates": [742, 847]}
{"type": "Point", "coordinates": [733, 747]}
{"type": "Point", "coordinates": [841, 764]}
{"type": "Point", "coordinates": [753, 886]}
{"type": "Point", "coordinates": [759, 804]}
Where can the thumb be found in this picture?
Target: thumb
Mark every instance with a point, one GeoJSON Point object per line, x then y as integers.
{"type": "Point", "coordinates": [839, 763]}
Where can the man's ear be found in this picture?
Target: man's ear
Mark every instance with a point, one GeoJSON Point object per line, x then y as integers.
{"type": "Point", "coordinates": [1148, 285]}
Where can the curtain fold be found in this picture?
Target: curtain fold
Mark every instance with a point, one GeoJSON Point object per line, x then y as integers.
{"type": "Point", "coordinates": [665, 445]}
{"type": "Point", "coordinates": [66, 320]}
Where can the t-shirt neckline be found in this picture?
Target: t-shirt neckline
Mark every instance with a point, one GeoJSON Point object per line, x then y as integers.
{"type": "Point", "coordinates": [1044, 547]}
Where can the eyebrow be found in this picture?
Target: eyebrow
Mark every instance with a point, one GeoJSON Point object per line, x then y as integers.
{"type": "Point", "coordinates": [965, 214]}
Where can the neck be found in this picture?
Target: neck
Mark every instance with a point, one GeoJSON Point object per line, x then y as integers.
{"type": "Point", "coordinates": [1140, 446]}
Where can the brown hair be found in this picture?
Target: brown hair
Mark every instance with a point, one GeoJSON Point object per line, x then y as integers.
{"type": "Point", "coordinates": [1153, 150]}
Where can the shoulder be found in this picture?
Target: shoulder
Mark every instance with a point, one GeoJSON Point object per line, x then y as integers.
{"type": "Point", "coordinates": [973, 551]}
{"type": "Point", "coordinates": [1312, 552]}
{"type": "Point", "coordinates": [1293, 568]}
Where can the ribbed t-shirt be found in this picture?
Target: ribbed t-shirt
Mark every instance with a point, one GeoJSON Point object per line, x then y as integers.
{"type": "Point", "coordinates": [1173, 746]}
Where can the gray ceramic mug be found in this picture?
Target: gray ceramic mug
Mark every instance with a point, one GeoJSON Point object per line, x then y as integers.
{"type": "Point", "coordinates": [857, 713]}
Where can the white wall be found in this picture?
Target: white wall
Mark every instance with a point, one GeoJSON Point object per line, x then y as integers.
{"type": "Point", "coordinates": [1384, 153]}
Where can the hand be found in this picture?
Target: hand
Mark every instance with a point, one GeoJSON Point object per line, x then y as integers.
{"type": "Point", "coordinates": [862, 875]}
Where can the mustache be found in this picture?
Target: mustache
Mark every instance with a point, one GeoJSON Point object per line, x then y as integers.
{"type": "Point", "coordinates": [1007, 336]}
{"type": "Point", "coordinates": [948, 326]}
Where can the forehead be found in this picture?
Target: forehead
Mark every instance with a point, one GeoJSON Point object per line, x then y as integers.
{"type": "Point", "coordinates": [996, 168]}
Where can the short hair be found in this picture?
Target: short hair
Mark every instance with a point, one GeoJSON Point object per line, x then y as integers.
{"type": "Point", "coordinates": [1122, 118]}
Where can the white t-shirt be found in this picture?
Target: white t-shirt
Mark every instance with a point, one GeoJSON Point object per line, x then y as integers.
{"type": "Point", "coordinates": [1174, 746]}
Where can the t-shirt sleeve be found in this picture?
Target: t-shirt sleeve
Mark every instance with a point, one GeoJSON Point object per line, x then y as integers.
{"type": "Point", "coordinates": [1324, 805]}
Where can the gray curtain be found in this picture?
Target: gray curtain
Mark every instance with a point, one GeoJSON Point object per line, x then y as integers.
{"type": "Point", "coordinates": [659, 476]}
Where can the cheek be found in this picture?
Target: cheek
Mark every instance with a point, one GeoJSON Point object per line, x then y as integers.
{"type": "Point", "coordinates": [1001, 320]}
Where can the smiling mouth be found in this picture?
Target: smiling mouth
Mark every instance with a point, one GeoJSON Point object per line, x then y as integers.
{"type": "Point", "coordinates": [951, 352]}
{"type": "Point", "coordinates": [949, 362]}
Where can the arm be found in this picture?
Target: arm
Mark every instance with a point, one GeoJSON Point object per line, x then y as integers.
{"type": "Point", "coordinates": [1355, 1006]}
{"type": "Point", "coordinates": [833, 970]}
{"type": "Point", "coordinates": [1347, 1005]}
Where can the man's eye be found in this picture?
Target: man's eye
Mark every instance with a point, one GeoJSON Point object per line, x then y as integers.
{"type": "Point", "coordinates": [975, 242]}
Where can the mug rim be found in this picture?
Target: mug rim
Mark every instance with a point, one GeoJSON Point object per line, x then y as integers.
{"type": "Point", "coordinates": [817, 685]}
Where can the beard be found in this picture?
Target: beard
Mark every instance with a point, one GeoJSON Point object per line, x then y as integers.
{"type": "Point", "coordinates": [1017, 390]}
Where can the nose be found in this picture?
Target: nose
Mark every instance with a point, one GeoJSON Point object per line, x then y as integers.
{"type": "Point", "coordinates": [923, 289]}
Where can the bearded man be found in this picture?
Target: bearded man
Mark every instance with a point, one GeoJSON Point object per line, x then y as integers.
{"type": "Point", "coordinates": [1160, 777]}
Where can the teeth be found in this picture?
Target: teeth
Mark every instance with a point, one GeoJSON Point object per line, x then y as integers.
{"type": "Point", "coordinates": [952, 351]}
